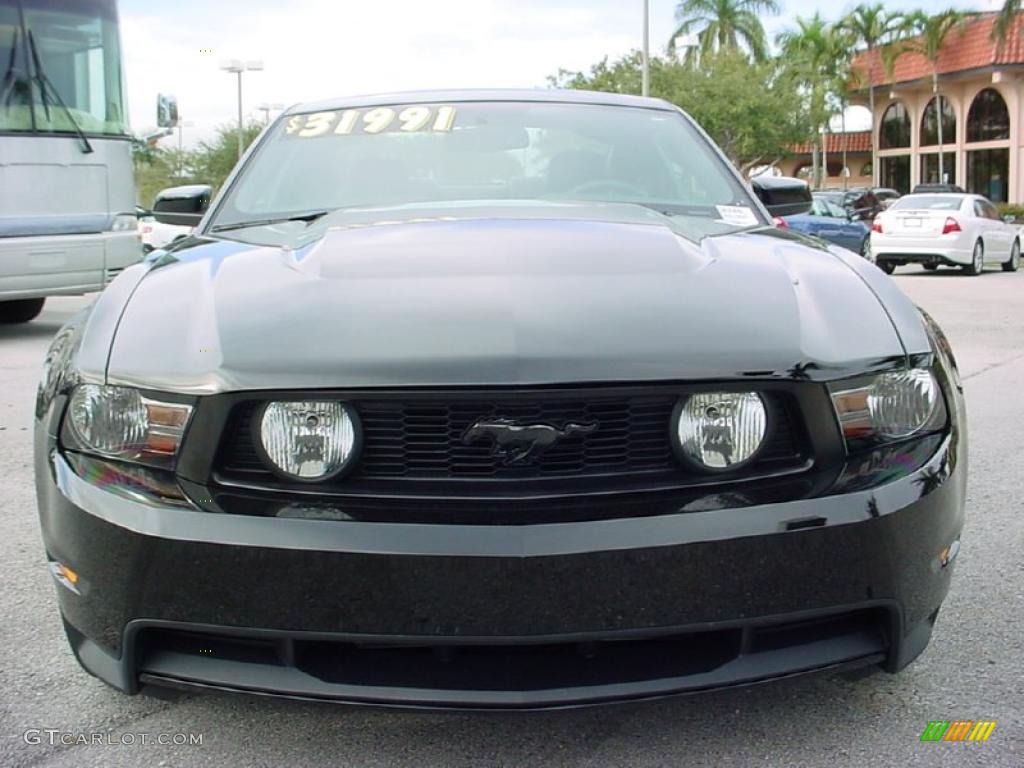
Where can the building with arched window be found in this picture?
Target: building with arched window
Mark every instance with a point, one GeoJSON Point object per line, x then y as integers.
{"type": "Point", "coordinates": [968, 130]}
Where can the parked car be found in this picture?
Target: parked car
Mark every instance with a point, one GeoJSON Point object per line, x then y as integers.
{"type": "Point", "coordinates": [886, 193]}
{"type": "Point", "coordinates": [830, 222]}
{"type": "Point", "coordinates": [162, 226]}
{"type": "Point", "coordinates": [860, 202]}
{"type": "Point", "coordinates": [886, 196]}
{"type": "Point", "coordinates": [957, 230]}
{"type": "Point", "coordinates": [497, 399]}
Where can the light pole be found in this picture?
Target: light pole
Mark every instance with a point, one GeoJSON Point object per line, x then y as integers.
{"type": "Point", "coordinates": [182, 124]}
{"type": "Point", "coordinates": [238, 67]}
{"type": "Point", "coordinates": [645, 86]}
{"type": "Point", "coordinates": [266, 108]}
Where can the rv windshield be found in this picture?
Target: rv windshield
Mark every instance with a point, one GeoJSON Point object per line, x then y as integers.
{"type": "Point", "coordinates": [61, 61]}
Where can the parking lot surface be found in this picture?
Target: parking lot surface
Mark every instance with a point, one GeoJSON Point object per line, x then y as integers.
{"type": "Point", "coordinates": [973, 670]}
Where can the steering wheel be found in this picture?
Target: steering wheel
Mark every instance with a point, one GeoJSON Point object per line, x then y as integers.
{"type": "Point", "coordinates": [610, 185]}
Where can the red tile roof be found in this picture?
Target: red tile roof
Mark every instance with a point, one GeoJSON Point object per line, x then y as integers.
{"type": "Point", "coordinates": [856, 141]}
{"type": "Point", "coordinates": [973, 49]}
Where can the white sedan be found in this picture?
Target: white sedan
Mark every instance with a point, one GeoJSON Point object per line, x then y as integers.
{"type": "Point", "coordinates": [156, 235]}
{"type": "Point", "coordinates": [935, 229]}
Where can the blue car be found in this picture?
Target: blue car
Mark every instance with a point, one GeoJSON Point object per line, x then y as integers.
{"type": "Point", "coordinates": [830, 222]}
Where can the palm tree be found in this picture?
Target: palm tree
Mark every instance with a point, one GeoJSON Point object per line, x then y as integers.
{"type": "Point", "coordinates": [820, 54]}
{"type": "Point", "coordinates": [872, 26]}
{"type": "Point", "coordinates": [844, 79]}
{"type": "Point", "coordinates": [932, 33]}
{"type": "Point", "coordinates": [722, 24]}
{"type": "Point", "coordinates": [807, 49]}
{"type": "Point", "coordinates": [1004, 22]}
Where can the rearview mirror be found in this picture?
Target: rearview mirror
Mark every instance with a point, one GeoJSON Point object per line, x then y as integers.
{"type": "Point", "coordinates": [182, 206]}
{"type": "Point", "coordinates": [782, 195]}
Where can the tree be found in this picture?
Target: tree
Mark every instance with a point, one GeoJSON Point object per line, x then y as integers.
{"type": "Point", "coordinates": [752, 110]}
{"type": "Point", "coordinates": [157, 168]}
{"type": "Point", "coordinates": [212, 161]}
{"type": "Point", "coordinates": [1005, 20]}
{"type": "Point", "coordinates": [808, 51]}
{"type": "Point", "coordinates": [154, 170]}
{"type": "Point", "coordinates": [844, 79]}
{"type": "Point", "coordinates": [722, 24]}
{"type": "Point", "coordinates": [872, 25]}
{"type": "Point", "coordinates": [932, 33]}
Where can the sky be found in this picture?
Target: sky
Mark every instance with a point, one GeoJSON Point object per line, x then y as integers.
{"type": "Point", "coordinates": [315, 49]}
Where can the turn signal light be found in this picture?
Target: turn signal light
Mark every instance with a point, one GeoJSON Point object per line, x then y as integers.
{"type": "Point", "coordinates": [876, 226]}
{"type": "Point", "coordinates": [951, 225]}
{"type": "Point", "coordinates": [65, 576]}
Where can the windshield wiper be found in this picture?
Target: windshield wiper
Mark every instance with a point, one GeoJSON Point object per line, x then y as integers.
{"type": "Point", "coordinates": [307, 217]}
{"type": "Point", "coordinates": [13, 77]}
{"type": "Point", "coordinates": [44, 83]}
{"type": "Point", "coordinates": [11, 73]}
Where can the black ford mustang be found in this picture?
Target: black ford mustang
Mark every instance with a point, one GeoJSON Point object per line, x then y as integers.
{"type": "Point", "coordinates": [497, 400]}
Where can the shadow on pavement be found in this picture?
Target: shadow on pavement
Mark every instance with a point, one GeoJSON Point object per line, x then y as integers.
{"type": "Point", "coordinates": [38, 329]}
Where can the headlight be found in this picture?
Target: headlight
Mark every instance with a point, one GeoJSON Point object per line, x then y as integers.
{"type": "Point", "coordinates": [125, 222]}
{"type": "Point", "coordinates": [890, 406]}
{"type": "Point", "coordinates": [721, 430]}
{"type": "Point", "coordinates": [307, 439]}
{"type": "Point", "coordinates": [119, 422]}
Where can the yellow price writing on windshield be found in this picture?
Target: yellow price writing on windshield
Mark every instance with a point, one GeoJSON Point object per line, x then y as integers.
{"type": "Point", "coordinates": [375, 120]}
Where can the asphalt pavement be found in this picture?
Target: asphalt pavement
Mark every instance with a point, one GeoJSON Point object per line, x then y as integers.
{"type": "Point", "coordinates": [973, 670]}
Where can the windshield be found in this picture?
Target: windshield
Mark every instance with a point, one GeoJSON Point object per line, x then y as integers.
{"type": "Point", "coordinates": [928, 202]}
{"type": "Point", "coordinates": [431, 154]}
{"type": "Point", "coordinates": [79, 58]}
{"type": "Point", "coordinates": [823, 207]}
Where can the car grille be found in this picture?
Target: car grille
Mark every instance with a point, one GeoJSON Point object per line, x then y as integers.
{"type": "Point", "coordinates": [421, 439]}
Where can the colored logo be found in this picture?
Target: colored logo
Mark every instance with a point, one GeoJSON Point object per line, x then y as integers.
{"type": "Point", "coordinates": [958, 730]}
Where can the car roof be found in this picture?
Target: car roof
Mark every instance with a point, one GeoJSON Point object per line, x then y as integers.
{"type": "Point", "coordinates": [186, 190]}
{"type": "Point", "coordinates": [551, 95]}
{"type": "Point", "coordinates": [941, 194]}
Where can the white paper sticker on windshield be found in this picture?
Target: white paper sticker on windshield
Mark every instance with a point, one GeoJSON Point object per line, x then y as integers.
{"type": "Point", "coordinates": [737, 215]}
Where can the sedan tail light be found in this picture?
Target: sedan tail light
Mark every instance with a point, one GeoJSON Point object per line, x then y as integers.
{"type": "Point", "coordinates": [876, 226]}
{"type": "Point", "coordinates": [951, 225]}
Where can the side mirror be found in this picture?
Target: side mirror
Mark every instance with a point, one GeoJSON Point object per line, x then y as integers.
{"type": "Point", "coordinates": [1009, 219]}
{"type": "Point", "coordinates": [182, 206]}
{"type": "Point", "coordinates": [782, 195]}
{"type": "Point", "coordinates": [166, 110]}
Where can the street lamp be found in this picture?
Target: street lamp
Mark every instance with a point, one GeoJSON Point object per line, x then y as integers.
{"type": "Point", "coordinates": [238, 67]}
{"type": "Point", "coordinates": [182, 124]}
{"type": "Point", "coordinates": [645, 87]}
{"type": "Point", "coordinates": [266, 108]}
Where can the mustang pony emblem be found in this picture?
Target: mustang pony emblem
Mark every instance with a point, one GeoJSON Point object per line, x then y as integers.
{"type": "Point", "coordinates": [519, 442]}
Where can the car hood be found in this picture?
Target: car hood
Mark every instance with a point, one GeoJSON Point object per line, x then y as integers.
{"type": "Point", "coordinates": [502, 298]}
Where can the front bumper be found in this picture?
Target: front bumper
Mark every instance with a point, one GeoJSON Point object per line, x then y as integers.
{"type": "Point", "coordinates": [51, 265]}
{"type": "Point", "coordinates": [528, 616]}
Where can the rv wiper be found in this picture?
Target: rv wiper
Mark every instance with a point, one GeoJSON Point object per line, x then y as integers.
{"type": "Point", "coordinates": [12, 76]}
{"type": "Point", "coordinates": [307, 217]}
{"type": "Point", "coordinates": [44, 83]}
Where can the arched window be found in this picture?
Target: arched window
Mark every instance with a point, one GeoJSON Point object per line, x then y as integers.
{"type": "Point", "coordinates": [989, 119]}
{"type": "Point", "coordinates": [895, 130]}
{"type": "Point", "coordinates": [930, 123]}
